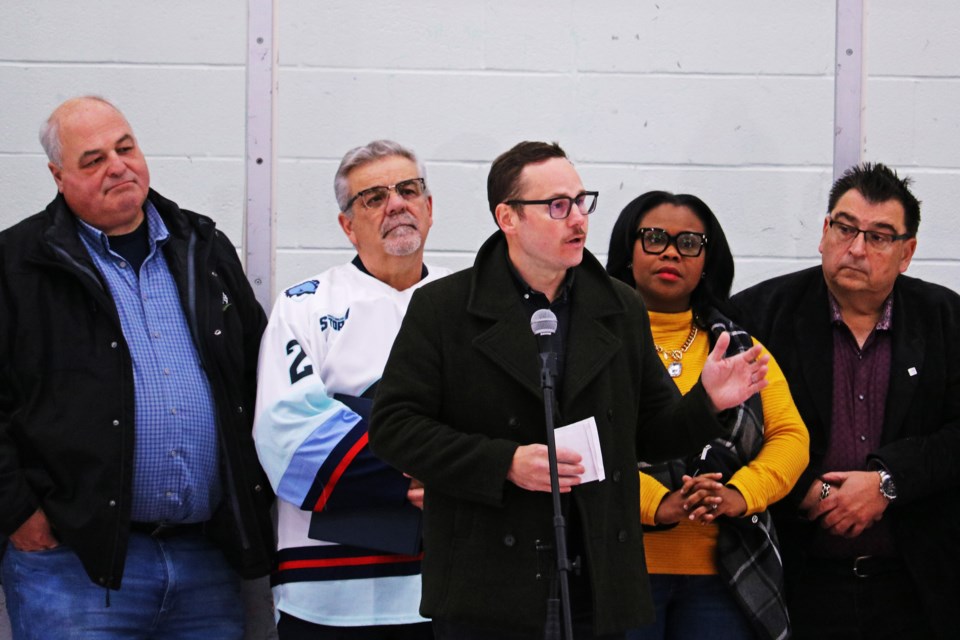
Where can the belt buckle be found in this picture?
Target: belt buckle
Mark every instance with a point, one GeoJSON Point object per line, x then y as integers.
{"type": "Point", "coordinates": [856, 566]}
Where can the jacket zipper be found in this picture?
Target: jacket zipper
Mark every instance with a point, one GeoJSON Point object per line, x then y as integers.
{"type": "Point", "coordinates": [81, 270]}
{"type": "Point", "coordinates": [194, 325]}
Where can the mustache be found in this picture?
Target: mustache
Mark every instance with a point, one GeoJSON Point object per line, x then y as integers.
{"type": "Point", "coordinates": [398, 220]}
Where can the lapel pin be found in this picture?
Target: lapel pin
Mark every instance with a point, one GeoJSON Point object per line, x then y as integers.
{"type": "Point", "coordinates": [912, 371]}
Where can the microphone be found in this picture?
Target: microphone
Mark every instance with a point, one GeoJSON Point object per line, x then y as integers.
{"type": "Point", "coordinates": [543, 323]}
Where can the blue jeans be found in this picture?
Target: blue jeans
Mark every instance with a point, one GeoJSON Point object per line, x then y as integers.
{"type": "Point", "coordinates": [179, 588]}
{"type": "Point", "coordinates": [692, 607]}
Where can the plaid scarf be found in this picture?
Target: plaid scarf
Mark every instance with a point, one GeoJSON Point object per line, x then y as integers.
{"type": "Point", "coordinates": [748, 554]}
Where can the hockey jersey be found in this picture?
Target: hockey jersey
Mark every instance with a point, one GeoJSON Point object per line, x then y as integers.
{"type": "Point", "coordinates": [321, 356]}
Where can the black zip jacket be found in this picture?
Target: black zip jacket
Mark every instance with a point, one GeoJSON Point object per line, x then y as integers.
{"type": "Point", "coordinates": [66, 388]}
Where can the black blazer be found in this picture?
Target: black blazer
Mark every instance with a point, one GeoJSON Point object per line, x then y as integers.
{"type": "Point", "coordinates": [920, 443]}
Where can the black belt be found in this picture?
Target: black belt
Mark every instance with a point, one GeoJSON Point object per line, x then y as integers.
{"type": "Point", "coordinates": [859, 567]}
{"type": "Point", "coordinates": [166, 530]}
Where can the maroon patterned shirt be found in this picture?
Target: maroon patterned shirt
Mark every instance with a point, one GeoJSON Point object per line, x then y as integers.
{"type": "Point", "coordinates": [861, 377]}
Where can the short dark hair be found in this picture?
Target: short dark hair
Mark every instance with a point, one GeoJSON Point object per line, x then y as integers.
{"type": "Point", "coordinates": [714, 288]}
{"type": "Point", "coordinates": [503, 182]}
{"type": "Point", "coordinates": [878, 183]}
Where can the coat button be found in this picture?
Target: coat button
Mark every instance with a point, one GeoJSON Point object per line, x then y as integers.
{"type": "Point", "coordinates": [116, 423]}
{"type": "Point", "coordinates": [213, 273]}
{"type": "Point", "coordinates": [257, 488]}
{"type": "Point", "coordinates": [216, 332]}
{"type": "Point", "coordinates": [513, 423]}
{"type": "Point", "coordinates": [113, 345]}
{"type": "Point", "coordinates": [112, 503]}
{"type": "Point", "coordinates": [240, 409]}
{"type": "Point", "coordinates": [622, 536]}
{"type": "Point", "coordinates": [509, 540]}
{"type": "Point", "coordinates": [616, 476]}
{"type": "Point", "coordinates": [755, 519]}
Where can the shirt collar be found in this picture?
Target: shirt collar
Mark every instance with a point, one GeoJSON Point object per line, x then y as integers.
{"type": "Point", "coordinates": [358, 263]}
{"type": "Point", "coordinates": [563, 292]}
{"type": "Point", "coordinates": [885, 323]}
{"type": "Point", "coordinates": [157, 230]}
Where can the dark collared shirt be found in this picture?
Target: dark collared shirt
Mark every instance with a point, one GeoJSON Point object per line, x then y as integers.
{"type": "Point", "coordinates": [861, 377]}
{"type": "Point", "coordinates": [534, 300]}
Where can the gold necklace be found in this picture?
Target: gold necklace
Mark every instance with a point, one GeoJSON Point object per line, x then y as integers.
{"type": "Point", "coordinates": [675, 368]}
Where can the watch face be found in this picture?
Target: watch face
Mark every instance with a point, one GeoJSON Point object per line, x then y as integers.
{"type": "Point", "coordinates": [887, 487]}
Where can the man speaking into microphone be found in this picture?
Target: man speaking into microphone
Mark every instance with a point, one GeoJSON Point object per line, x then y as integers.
{"type": "Point", "coordinates": [460, 407]}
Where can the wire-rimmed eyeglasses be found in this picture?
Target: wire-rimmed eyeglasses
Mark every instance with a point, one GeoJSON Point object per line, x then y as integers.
{"type": "Point", "coordinates": [376, 197]}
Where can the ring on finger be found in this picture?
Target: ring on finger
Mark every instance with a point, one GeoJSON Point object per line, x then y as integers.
{"type": "Point", "coordinates": [824, 490]}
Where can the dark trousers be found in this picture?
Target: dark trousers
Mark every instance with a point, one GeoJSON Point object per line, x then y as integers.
{"type": "Point", "coordinates": [291, 628]}
{"type": "Point", "coordinates": [828, 600]}
{"type": "Point", "coordinates": [449, 630]}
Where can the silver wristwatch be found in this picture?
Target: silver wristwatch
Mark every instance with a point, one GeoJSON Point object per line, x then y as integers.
{"type": "Point", "coordinates": [887, 487]}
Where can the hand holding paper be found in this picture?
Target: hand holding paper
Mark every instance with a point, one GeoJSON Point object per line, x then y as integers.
{"type": "Point", "coordinates": [582, 437]}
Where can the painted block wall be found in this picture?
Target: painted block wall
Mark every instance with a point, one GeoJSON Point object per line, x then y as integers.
{"type": "Point", "coordinates": [731, 101]}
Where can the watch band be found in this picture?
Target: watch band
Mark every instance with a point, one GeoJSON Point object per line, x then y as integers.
{"type": "Point", "coordinates": [887, 487]}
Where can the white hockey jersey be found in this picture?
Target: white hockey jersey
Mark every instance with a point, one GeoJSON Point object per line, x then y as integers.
{"type": "Point", "coordinates": [323, 352]}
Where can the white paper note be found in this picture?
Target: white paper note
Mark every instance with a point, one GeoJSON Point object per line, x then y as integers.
{"type": "Point", "coordinates": [582, 437]}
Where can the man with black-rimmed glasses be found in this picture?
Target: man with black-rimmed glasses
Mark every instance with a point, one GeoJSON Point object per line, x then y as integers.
{"type": "Point", "coordinates": [461, 408]}
{"type": "Point", "coordinates": [870, 531]}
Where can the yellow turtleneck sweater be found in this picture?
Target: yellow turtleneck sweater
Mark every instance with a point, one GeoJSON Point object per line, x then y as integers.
{"type": "Point", "coordinates": [689, 548]}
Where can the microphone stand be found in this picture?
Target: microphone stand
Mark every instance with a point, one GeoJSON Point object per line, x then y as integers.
{"type": "Point", "coordinates": [548, 372]}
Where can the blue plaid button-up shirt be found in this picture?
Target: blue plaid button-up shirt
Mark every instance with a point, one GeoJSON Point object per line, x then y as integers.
{"type": "Point", "coordinates": [176, 458]}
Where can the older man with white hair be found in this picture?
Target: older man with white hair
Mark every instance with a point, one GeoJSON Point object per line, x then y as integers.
{"type": "Point", "coordinates": [348, 530]}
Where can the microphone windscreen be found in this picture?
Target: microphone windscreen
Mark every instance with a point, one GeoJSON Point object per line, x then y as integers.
{"type": "Point", "coordinates": [543, 322]}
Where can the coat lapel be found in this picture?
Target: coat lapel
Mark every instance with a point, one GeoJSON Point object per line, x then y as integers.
{"type": "Point", "coordinates": [509, 342]}
{"type": "Point", "coordinates": [593, 300]}
{"type": "Point", "coordinates": [906, 362]}
{"type": "Point", "coordinates": [813, 330]}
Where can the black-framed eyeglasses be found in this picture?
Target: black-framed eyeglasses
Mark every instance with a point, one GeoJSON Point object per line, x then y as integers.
{"type": "Point", "coordinates": [877, 240]}
{"type": "Point", "coordinates": [654, 240]}
{"type": "Point", "coordinates": [559, 207]}
{"type": "Point", "coordinates": [376, 197]}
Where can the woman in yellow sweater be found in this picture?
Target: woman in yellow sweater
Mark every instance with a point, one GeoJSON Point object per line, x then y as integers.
{"type": "Point", "coordinates": [711, 550]}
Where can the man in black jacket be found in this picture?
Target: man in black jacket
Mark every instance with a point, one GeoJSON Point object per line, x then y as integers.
{"type": "Point", "coordinates": [129, 484]}
{"type": "Point", "coordinates": [460, 407]}
{"type": "Point", "coordinates": [870, 532]}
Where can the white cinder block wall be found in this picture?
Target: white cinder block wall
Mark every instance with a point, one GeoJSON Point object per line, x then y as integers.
{"type": "Point", "coordinates": [731, 101]}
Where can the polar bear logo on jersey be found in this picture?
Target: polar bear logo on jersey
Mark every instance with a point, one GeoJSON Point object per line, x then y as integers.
{"type": "Point", "coordinates": [302, 289]}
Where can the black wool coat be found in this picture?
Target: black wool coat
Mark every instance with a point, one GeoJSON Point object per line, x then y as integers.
{"type": "Point", "coordinates": [461, 392]}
